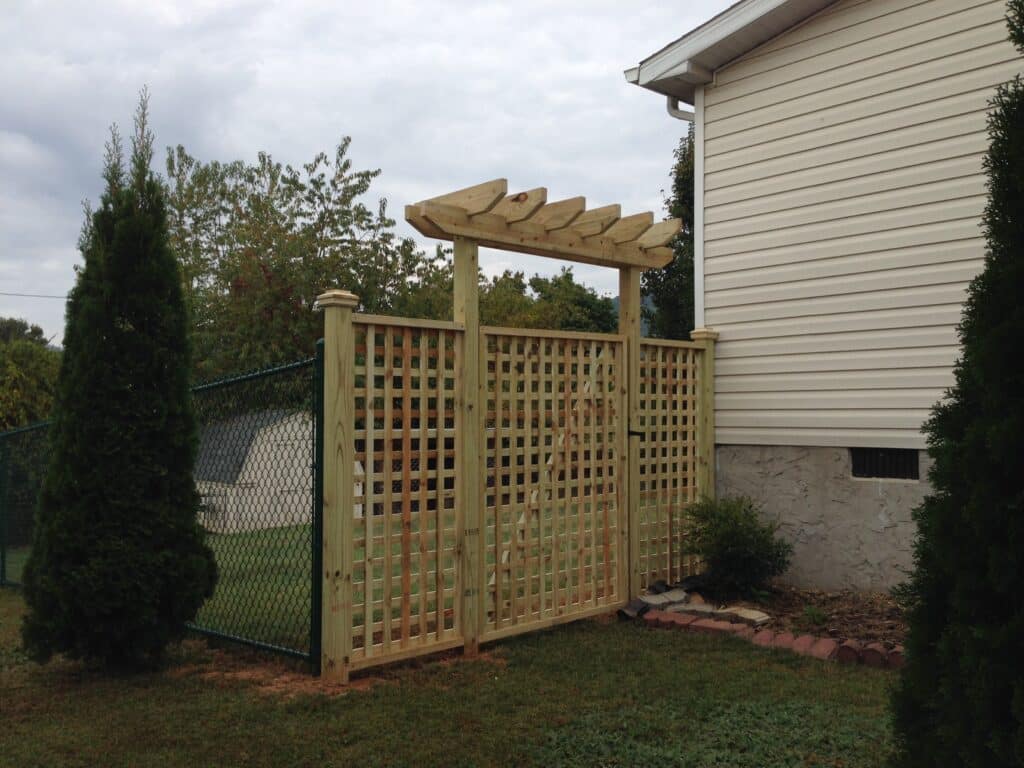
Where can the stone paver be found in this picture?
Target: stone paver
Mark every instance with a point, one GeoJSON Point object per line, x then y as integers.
{"type": "Point", "coordinates": [824, 648]}
{"type": "Point", "coordinates": [783, 640]}
{"type": "Point", "coordinates": [652, 619]}
{"type": "Point", "coordinates": [764, 638]}
{"type": "Point", "coordinates": [849, 652]}
{"type": "Point", "coordinates": [875, 655]}
{"type": "Point", "coordinates": [803, 644]}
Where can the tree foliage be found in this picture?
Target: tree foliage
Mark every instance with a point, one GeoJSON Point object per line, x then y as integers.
{"type": "Point", "coordinates": [118, 563]}
{"type": "Point", "coordinates": [557, 302]}
{"type": "Point", "coordinates": [669, 309]}
{"type": "Point", "coordinates": [258, 242]}
{"type": "Point", "coordinates": [28, 374]}
{"type": "Point", "coordinates": [960, 699]}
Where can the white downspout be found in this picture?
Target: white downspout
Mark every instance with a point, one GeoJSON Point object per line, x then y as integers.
{"type": "Point", "coordinates": [678, 112]}
{"type": "Point", "coordinates": [698, 208]}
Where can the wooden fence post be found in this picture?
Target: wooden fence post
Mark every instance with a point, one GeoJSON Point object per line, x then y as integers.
{"type": "Point", "coordinates": [629, 326]}
{"type": "Point", "coordinates": [338, 481]}
{"type": "Point", "coordinates": [470, 452]}
{"type": "Point", "coordinates": [706, 413]}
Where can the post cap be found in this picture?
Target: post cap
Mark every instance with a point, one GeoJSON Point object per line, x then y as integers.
{"type": "Point", "coordinates": [337, 298]}
{"type": "Point", "coordinates": [703, 334]}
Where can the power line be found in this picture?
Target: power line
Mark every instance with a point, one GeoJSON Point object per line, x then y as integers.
{"type": "Point", "coordinates": [33, 295]}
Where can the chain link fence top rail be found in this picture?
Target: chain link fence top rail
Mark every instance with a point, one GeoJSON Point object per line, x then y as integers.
{"type": "Point", "coordinates": [255, 474]}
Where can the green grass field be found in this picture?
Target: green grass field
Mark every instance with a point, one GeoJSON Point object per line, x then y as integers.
{"type": "Point", "coordinates": [263, 589]}
{"type": "Point", "coordinates": [588, 694]}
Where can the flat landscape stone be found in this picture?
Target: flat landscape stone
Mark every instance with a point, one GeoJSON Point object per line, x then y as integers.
{"type": "Point", "coordinates": [824, 648]}
{"type": "Point", "coordinates": [634, 609]}
{"type": "Point", "coordinates": [849, 652]}
{"type": "Point", "coordinates": [748, 615]}
{"type": "Point", "coordinates": [696, 610]}
{"type": "Point", "coordinates": [655, 601]}
{"type": "Point", "coordinates": [675, 595]}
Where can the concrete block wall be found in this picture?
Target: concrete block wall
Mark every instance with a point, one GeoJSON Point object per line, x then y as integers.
{"type": "Point", "coordinates": [847, 532]}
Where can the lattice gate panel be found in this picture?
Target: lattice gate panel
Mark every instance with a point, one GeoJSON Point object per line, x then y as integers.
{"type": "Point", "coordinates": [406, 425]}
{"type": "Point", "coordinates": [668, 457]}
{"type": "Point", "coordinates": [554, 459]}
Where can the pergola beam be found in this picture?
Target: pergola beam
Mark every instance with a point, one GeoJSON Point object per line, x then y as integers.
{"type": "Point", "coordinates": [527, 223]}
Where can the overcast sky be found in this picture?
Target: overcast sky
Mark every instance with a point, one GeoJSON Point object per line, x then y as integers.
{"type": "Point", "coordinates": [439, 95]}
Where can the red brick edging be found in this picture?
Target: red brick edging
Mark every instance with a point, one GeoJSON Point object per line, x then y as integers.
{"type": "Point", "coordinates": [824, 648]}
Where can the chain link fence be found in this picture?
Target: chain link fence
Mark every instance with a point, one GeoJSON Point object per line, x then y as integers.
{"type": "Point", "coordinates": [256, 472]}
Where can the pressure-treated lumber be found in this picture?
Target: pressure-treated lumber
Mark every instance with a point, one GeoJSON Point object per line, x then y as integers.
{"type": "Point", "coordinates": [339, 482]}
{"type": "Point", "coordinates": [706, 412]}
{"type": "Point", "coordinates": [524, 222]}
{"type": "Point", "coordinates": [629, 326]}
{"type": "Point", "coordinates": [469, 451]}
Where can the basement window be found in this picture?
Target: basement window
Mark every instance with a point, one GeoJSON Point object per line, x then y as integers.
{"type": "Point", "coordinates": [897, 463]}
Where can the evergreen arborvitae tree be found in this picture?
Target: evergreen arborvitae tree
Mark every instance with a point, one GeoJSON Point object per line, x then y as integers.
{"type": "Point", "coordinates": [119, 562]}
{"type": "Point", "coordinates": [669, 314]}
{"type": "Point", "coordinates": [960, 699]}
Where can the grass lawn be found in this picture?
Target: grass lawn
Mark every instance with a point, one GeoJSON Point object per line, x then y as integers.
{"type": "Point", "coordinates": [589, 694]}
{"type": "Point", "coordinates": [263, 590]}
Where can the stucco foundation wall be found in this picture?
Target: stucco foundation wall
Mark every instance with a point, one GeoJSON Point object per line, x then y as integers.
{"type": "Point", "coordinates": [846, 532]}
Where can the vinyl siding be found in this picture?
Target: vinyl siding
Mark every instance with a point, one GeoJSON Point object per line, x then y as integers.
{"type": "Point", "coordinates": [843, 192]}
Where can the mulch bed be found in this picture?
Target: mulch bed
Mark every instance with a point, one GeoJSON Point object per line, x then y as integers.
{"type": "Point", "coordinates": [865, 616]}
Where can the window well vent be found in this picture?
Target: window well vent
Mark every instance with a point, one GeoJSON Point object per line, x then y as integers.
{"type": "Point", "coordinates": [899, 463]}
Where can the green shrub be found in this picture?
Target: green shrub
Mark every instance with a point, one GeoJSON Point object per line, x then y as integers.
{"type": "Point", "coordinates": [960, 698]}
{"type": "Point", "coordinates": [118, 562]}
{"type": "Point", "coordinates": [740, 551]}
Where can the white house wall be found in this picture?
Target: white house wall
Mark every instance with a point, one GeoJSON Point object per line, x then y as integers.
{"type": "Point", "coordinates": [843, 190]}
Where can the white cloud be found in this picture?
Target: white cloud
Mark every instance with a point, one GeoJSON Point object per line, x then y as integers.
{"type": "Point", "coordinates": [439, 95]}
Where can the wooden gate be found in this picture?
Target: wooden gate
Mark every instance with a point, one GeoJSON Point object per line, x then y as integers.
{"type": "Point", "coordinates": [481, 482]}
{"type": "Point", "coordinates": [553, 461]}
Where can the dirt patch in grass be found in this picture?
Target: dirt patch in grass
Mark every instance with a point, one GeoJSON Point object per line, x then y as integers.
{"type": "Point", "coordinates": [867, 616]}
{"type": "Point", "coordinates": [287, 679]}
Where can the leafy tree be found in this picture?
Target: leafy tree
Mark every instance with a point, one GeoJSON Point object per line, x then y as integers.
{"type": "Point", "coordinates": [960, 699]}
{"type": "Point", "coordinates": [28, 379]}
{"type": "Point", "coordinates": [565, 305]}
{"type": "Point", "coordinates": [118, 562]}
{"type": "Point", "coordinates": [16, 329]}
{"type": "Point", "coordinates": [669, 291]}
{"type": "Point", "coordinates": [258, 243]}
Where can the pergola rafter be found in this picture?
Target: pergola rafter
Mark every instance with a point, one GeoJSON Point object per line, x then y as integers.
{"type": "Point", "coordinates": [527, 223]}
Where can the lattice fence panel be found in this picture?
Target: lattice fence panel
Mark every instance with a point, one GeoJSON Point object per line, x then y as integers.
{"type": "Point", "coordinates": [668, 457]}
{"type": "Point", "coordinates": [406, 426]}
{"type": "Point", "coordinates": [553, 442]}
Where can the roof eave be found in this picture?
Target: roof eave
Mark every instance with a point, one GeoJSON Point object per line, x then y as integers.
{"type": "Point", "coordinates": [677, 69]}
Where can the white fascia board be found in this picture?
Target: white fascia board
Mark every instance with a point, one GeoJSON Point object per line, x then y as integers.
{"type": "Point", "coordinates": [678, 68]}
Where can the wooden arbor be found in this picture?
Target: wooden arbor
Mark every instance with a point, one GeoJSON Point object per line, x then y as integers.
{"type": "Point", "coordinates": [527, 223]}
{"type": "Point", "coordinates": [415, 580]}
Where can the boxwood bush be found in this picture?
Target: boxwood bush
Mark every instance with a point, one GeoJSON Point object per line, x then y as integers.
{"type": "Point", "coordinates": [741, 551]}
